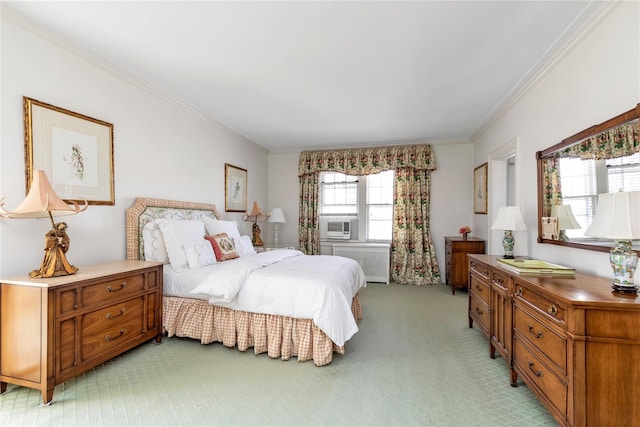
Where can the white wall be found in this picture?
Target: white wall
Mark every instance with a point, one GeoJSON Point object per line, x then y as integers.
{"type": "Point", "coordinates": [160, 149]}
{"type": "Point", "coordinates": [451, 189]}
{"type": "Point", "coordinates": [597, 78]}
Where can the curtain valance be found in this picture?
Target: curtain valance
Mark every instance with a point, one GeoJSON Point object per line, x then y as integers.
{"type": "Point", "coordinates": [366, 161]}
{"type": "Point", "coordinates": [617, 142]}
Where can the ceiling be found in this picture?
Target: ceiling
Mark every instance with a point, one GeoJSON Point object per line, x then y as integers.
{"type": "Point", "coordinates": [318, 74]}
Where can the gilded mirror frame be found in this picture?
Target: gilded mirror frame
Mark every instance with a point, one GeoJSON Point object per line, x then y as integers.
{"type": "Point", "coordinates": [618, 120]}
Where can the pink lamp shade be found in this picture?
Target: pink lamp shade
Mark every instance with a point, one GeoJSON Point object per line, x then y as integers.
{"type": "Point", "coordinates": [42, 201]}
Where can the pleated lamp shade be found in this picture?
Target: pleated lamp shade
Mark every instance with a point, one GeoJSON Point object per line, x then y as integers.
{"type": "Point", "coordinates": [42, 201]}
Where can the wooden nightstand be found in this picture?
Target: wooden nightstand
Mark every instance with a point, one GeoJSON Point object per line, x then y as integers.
{"type": "Point", "coordinates": [457, 248]}
{"type": "Point", "coordinates": [54, 329]}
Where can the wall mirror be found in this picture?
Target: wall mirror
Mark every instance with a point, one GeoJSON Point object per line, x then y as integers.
{"type": "Point", "coordinates": [604, 158]}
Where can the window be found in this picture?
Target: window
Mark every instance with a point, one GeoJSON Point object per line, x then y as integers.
{"type": "Point", "coordinates": [583, 180]}
{"type": "Point", "coordinates": [369, 199]}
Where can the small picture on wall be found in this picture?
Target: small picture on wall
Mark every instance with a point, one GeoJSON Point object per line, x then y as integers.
{"type": "Point", "coordinates": [480, 189]}
{"type": "Point", "coordinates": [235, 188]}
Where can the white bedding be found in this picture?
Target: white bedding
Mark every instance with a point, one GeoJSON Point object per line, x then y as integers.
{"type": "Point", "coordinates": [282, 282]}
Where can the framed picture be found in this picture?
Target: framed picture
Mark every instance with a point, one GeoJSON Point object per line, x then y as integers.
{"type": "Point", "coordinates": [480, 189]}
{"type": "Point", "coordinates": [235, 188]}
{"type": "Point", "coordinates": [75, 151]}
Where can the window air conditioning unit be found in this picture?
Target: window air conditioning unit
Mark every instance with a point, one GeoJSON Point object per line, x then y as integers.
{"type": "Point", "coordinates": [339, 230]}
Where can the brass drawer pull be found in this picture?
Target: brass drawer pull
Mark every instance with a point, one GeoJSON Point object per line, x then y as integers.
{"type": "Point", "coordinates": [553, 310]}
{"type": "Point", "coordinates": [122, 310]}
{"type": "Point", "coordinates": [537, 335]}
{"type": "Point", "coordinates": [478, 311]}
{"type": "Point", "coordinates": [536, 373]}
{"type": "Point", "coordinates": [519, 292]}
{"type": "Point", "coordinates": [479, 288]}
{"type": "Point", "coordinates": [110, 338]}
{"type": "Point", "coordinates": [110, 289]}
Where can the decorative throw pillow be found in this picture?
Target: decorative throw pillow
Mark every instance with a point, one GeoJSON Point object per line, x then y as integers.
{"type": "Point", "coordinates": [199, 254]}
{"type": "Point", "coordinates": [219, 226]}
{"type": "Point", "coordinates": [223, 247]}
{"type": "Point", "coordinates": [176, 233]}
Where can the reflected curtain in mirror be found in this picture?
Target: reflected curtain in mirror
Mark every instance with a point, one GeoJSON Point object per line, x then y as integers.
{"type": "Point", "coordinates": [590, 154]}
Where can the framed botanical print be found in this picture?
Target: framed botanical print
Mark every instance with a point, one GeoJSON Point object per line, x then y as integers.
{"type": "Point", "coordinates": [480, 189]}
{"type": "Point", "coordinates": [235, 188]}
{"type": "Point", "coordinates": [75, 152]}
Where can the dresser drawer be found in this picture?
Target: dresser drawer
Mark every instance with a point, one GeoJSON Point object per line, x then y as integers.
{"type": "Point", "coordinates": [479, 310]}
{"type": "Point", "coordinates": [111, 326]}
{"type": "Point", "coordinates": [501, 281]}
{"type": "Point", "coordinates": [72, 299]}
{"type": "Point", "coordinates": [547, 341]}
{"type": "Point", "coordinates": [549, 309]}
{"type": "Point", "coordinates": [551, 386]}
{"type": "Point", "coordinates": [480, 289]}
{"type": "Point", "coordinates": [479, 269]}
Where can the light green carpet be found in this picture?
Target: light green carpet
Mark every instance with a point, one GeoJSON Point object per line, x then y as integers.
{"type": "Point", "coordinates": [415, 362]}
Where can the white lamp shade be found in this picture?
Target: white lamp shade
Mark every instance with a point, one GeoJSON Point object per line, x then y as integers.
{"type": "Point", "coordinates": [566, 220]}
{"type": "Point", "coordinates": [617, 216]}
{"type": "Point", "coordinates": [277, 216]}
{"type": "Point", "coordinates": [509, 218]}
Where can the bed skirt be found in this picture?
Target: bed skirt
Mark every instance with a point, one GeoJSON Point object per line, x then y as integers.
{"type": "Point", "coordinates": [279, 336]}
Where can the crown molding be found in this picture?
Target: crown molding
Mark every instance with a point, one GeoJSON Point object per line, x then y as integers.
{"type": "Point", "coordinates": [569, 38]}
{"type": "Point", "coordinates": [111, 67]}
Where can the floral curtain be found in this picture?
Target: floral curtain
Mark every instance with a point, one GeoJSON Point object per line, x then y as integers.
{"type": "Point", "coordinates": [413, 257]}
{"type": "Point", "coordinates": [308, 227]}
{"type": "Point", "coordinates": [616, 142]}
{"type": "Point", "coordinates": [552, 190]}
{"type": "Point", "coordinates": [620, 141]}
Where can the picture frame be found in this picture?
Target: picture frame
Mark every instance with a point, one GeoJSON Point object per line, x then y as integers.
{"type": "Point", "coordinates": [235, 188]}
{"type": "Point", "coordinates": [75, 151]}
{"type": "Point", "coordinates": [480, 195]}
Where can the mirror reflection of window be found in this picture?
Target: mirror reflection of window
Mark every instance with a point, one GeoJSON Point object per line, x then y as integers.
{"type": "Point", "coordinates": [583, 180]}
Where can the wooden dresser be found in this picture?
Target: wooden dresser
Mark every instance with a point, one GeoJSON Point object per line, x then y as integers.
{"type": "Point", "coordinates": [456, 249]}
{"type": "Point", "coordinates": [571, 340]}
{"type": "Point", "coordinates": [54, 329]}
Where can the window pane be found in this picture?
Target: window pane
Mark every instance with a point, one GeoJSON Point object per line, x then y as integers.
{"type": "Point", "coordinates": [624, 173]}
{"type": "Point", "coordinates": [380, 205]}
{"type": "Point", "coordinates": [379, 222]}
{"type": "Point", "coordinates": [338, 193]}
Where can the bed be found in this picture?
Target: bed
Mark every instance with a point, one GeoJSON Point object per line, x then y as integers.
{"type": "Point", "coordinates": [255, 300]}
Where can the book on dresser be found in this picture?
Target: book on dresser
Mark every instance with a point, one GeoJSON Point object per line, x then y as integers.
{"type": "Point", "coordinates": [535, 267]}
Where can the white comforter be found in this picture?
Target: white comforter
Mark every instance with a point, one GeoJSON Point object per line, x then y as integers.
{"type": "Point", "coordinates": [289, 283]}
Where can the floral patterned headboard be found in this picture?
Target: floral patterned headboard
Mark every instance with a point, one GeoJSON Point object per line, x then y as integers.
{"type": "Point", "coordinates": [145, 210]}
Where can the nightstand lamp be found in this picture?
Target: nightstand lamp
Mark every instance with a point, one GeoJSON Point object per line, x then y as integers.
{"type": "Point", "coordinates": [618, 217]}
{"type": "Point", "coordinates": [255, 215]}
{"type": "Point", "coordinates": [509, 219]}
{"type": "Point", "coordinates": [566, 220]}
{"type": "Point", "coordinates": [277, 217]}
{"type": "Point", "coordinates": [43, 202]}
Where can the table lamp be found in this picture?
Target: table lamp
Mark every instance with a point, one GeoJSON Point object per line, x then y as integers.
{"type": "Point", "coordinates": [42, 202]}
{"type": "Point", "coordinates": [566, 220]}
{"type": "Point", "coordinates": [508, 219]}
{"type": "Point", "coordinates": [277, 217]}
{"type": "Point", "coordinates": [618, 217]}
{"type": "Point", "coordinates": [255, 215]}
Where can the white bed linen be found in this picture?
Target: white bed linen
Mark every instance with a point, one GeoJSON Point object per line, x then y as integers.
{"type": "Point", "coordinates": [282, 282]}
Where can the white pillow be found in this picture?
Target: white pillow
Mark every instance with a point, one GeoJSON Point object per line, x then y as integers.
{"type": "Point", "coordinates": [219, 226]}
{"type": "Point", "coordinates": [199, 254]}
{"type": "Point", "coordinates": [153, 243]}
{"type": "Point", "coordinates": [245, 247]}
{"type": "Point", "coordinates": [176, 234]}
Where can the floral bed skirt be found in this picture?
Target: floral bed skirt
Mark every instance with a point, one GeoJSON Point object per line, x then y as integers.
{"type": "Point", "coordinates": [279, 336]}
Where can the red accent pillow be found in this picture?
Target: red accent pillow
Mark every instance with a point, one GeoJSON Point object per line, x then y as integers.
{"type": "Point", "coordinates": [223, 246]}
